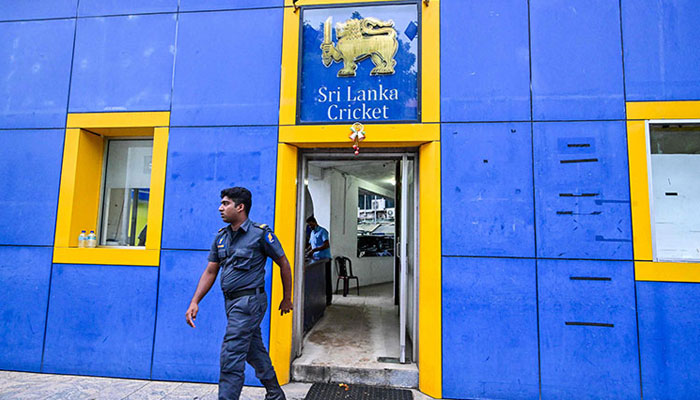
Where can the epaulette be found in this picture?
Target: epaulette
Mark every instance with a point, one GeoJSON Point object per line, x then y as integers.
{"type": "Point", "coordinates": [221, 230]}
{"type": "Point", "coordinates": [261, 226]}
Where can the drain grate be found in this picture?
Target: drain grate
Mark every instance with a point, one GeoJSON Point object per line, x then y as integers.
{"type": "Point", "coordinates": [335, 391]}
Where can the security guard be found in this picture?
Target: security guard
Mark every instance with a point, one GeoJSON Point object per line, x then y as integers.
{"type": "Point", "coordinates": [241, 250]}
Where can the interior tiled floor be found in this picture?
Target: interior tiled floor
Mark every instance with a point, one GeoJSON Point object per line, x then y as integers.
{"type": "Point", "coordinates": [355, 331]}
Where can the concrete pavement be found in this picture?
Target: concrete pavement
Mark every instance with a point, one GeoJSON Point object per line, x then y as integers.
{"type": "Point", "coordinates": [31, 386]}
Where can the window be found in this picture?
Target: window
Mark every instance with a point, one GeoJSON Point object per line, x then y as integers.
{"type": "Point", "coordinates": [126, 192]}
{"type": "Point", "coordinates": [674, 179]}
{"type": "Point", "coordinates": [375, 225]}
{"type": "Point", "coordinates": [112, 182]}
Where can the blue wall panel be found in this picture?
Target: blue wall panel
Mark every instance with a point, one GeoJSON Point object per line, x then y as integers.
{"type": "Point", "coordinates": [485, 77]}
{"type": "Point", "coordinates": [588, 362]}
{"type": "Point", "coordinates": [183, 353]}
{"type": "Point", "coordinates": [582, 190]}
{"type": "Point", "coordinates": [224, 75]}
{"type": "Point", "coordinates": [101, 320]}
{"type": "Point", "coordinates": [194, 5]}
{"type": "Point", "coordinates": [123, 63]}
{"type": "Point", "coordinates": [487, 190]}
{"type": "Point", "coordinates": [37, 9]}
{"type": "Point", "coordinates": [489, 328]}
{"type": "Point", "coordinates": [24, 279]}
{"type": "Point", "coordinates": [576, 60]}
{"type": "Point", "coordinates": [111, 7]}
{"type": "Point", "coordinates": [201, 162]}
{"type": "Point", "coordinates": [30, 167]}
{"type": "Point", "coordinates": [661, 49]}
{"type": "Point", "coordinates": [669, 316]}
{"type": "Point", "coordinates": [35, 70]}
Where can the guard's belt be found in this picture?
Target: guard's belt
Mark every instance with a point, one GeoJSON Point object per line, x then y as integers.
{"type": "Point", "coordinates": [243, 292]}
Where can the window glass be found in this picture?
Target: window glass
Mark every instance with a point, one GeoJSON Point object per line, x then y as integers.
{"type": "Point", "coordinates": [675, 188]}
{"type": "Point", "coordinates": [126, 192]}
{"type": "Point", "coordinates": [375, 225]}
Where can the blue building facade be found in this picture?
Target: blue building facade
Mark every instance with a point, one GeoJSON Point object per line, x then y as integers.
{"type": "Point", "coordinates": [541, 288]}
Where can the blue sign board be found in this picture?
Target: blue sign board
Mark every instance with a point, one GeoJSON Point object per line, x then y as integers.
{"type": "Point", "coordinates": [359, 64]}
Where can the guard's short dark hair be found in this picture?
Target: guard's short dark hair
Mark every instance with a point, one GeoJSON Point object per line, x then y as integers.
{"type": "Point", "coordinates": [239, 195]}
{"type": "Point", "coordinates": [311, 219]}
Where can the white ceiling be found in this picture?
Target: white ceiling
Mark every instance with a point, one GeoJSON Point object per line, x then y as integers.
{"type": "Point", "coordinates": [376, 172]}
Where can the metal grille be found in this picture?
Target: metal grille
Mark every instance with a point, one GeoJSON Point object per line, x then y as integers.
{"type": "Point", "coordinates": [335, 391]}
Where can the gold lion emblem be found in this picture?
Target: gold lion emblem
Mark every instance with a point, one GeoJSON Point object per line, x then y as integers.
{"type": "Point", "coordinates": [359, 39]}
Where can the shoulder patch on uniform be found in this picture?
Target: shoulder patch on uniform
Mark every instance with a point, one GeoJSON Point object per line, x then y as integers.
{"type": "Point", "coordinates": [220, 236]}
{"type": "Point", "coordinates": [270, 239]}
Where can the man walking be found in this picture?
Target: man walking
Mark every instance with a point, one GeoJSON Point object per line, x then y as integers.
{"type": "Point", "coordinates": [241, 250]}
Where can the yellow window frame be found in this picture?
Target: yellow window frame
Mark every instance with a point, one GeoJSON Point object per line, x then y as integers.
{"type": "Point", "coordinates": [424, 134]}
{"type": "Point", "coordinates": [81, 180]}
{"type": "Point", "coordinates": [638, 115]}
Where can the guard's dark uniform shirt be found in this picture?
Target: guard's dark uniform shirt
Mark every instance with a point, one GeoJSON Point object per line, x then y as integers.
{"type": "Point", "coordinates": [242, 255]}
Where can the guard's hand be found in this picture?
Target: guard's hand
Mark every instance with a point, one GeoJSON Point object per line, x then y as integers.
{"type": "Point", "coordinates": [285, 306]}
{"type": "Point", "coordinates": [191, 314]}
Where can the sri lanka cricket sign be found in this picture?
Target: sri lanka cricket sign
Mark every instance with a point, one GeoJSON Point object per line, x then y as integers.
{"type": "Point", "coordinates": [363, 68]}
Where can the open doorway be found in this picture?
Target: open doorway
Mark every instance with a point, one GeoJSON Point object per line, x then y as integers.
{"type": "Point", "coordinates": [359, 329]}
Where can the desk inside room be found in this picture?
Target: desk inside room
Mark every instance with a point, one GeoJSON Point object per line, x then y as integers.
{"type": "Point", "coordinates": [317, 290]}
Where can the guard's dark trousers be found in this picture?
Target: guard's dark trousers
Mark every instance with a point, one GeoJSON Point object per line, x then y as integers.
{"type": "Point", "coordinates": [243, 342]}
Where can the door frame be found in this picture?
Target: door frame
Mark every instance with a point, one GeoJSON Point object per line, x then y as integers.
{"type": "Point", "coordinates": [429, 271]}
{"type": "Point", "coordinates": [304, 157]}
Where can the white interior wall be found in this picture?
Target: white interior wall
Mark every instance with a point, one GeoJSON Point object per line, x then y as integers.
{"type": "Point", "coordinates": [677, 220]}
{"type": "Point", "coordinates": [320, 191]}
{"type": "Point", "coordinates": [335, 196]}
{"type": "Point", "coordinates": [343, 232]}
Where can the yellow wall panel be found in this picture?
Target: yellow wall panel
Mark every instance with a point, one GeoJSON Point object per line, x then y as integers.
{"type": "Point", "coordinates": [67, 185]}
{"type": "Point", "coordinates": [285, 229]}
{"type": "Point", "coordinates": [376, 135]}
{"type": "Point", "coordinates": [663, 110]}
{"type": "Point", "coordinates": [86, 188]}
{"type": "Point", "coordinates": [290, 60]}
{"type": "Point", "coordinates": [119, 120]}
{"type": "Point", "coordinates": [106, 256]}
{"type": "Point", "coordinates": [430, 65]}
{"type": "Point", "coordinates": [666, 271]}
{"type": "Point", "coordinates": [300, 3]}
{"type": "Point", "coordinates": [639, 189]}
{"type": "Point", "coordinates": [430, 276]}
{"type": "Point", "coordinates": [155, 207]}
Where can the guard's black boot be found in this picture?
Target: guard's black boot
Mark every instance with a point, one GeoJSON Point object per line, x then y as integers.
{"type": "Point", "coordinates": [274, 391]}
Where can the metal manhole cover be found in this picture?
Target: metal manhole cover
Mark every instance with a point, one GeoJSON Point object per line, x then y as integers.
{"type": "Point", "coordinates": [335, 391]}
